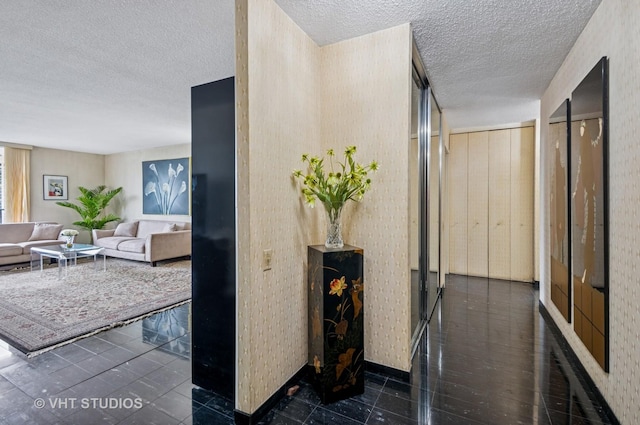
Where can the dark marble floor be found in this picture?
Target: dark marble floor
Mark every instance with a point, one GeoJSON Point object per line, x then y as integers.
{"type": "Point", "coordinates": [489, 358]}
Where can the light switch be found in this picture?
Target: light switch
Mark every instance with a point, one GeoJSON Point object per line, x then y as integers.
{"type": "Point", "coordinates": [267, 256]}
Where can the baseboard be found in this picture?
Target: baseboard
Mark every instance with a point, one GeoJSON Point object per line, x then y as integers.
{"type": "Point", "coordinates": [536, 284]}
{"type": "Point", "coordinates": [387, 371]}
{"type": "Point", "coordinates": [575, 360]}
{"type": "Point", "coordinates": [242, 418]}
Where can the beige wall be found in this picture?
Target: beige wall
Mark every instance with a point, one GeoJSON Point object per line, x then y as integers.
{"type": "Point", "coordinates": [277, 121]}
{"type": "Point", "coordinates": [125, 170]}
{"type": "Point", "coordinates": [82, 169]}
{"type": "Point", "coordinates": [612, 32]}
{"type": "Point", "coordinates": [294, 97]}
{"type": "Point", "coordinates": [91, 170]}
{"type": "Point", "coordinates": [536, 205]}
{"type": "Point", "coordinates": [366, 93]}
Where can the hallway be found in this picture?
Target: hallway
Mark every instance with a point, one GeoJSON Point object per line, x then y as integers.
{"type": "Point", "coordinates": [495, 360]}
{"type": "Point", "coordinates": [492, 360]}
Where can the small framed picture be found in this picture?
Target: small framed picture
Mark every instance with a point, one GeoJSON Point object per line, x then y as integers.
{"type": "Point", "coordinates": [55, 188]}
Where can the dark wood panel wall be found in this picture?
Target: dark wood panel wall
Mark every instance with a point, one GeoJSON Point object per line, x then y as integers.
{"type": "Point", "coordinates": [214, 243]}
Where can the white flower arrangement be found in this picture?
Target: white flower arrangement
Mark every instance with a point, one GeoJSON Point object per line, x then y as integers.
{"type": "Point", "coordinates": [69, 232]}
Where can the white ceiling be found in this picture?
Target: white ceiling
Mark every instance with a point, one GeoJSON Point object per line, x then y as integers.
{"type": "Point", "coordinates": [107, 76]}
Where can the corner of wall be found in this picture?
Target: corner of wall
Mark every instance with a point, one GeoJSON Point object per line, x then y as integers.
{"type": "Point", "coordinates": [294, 97]}
{"type": "Point", "coordinates": [366, 92]}
{"type": "Point", "coordinates": [278, 119]}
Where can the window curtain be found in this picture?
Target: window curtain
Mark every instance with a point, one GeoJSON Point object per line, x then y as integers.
{"type": "Point", "coordinates": [17, 169]}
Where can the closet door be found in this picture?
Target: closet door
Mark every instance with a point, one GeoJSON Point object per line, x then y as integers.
{"type": "Point", "coordinates": [458, 179]}
{"type": "Point", "coordinates": [500, 204]}
{"type": "Point", "coordinates": [478, 205]}
{"type": "Point", "coordinates": [522, 186]}
{"type": "Point", "coordinates": [491, 185]}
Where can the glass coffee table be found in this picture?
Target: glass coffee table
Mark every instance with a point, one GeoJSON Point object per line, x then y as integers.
{"type": "Point", "coordinates": [65, 255]}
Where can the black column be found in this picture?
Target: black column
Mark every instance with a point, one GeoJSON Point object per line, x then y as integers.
{"type": "Point", "coordinates": [214, 244]}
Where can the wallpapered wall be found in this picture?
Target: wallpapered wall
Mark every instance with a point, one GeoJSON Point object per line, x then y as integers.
{"type": "Point", "coordinates": [125, 169]}
{"type": "Point", "coordinates": [82, 169]}
{"type": "Point", "coordinates": [295, 97]}
{"type": "Point", "coordinates": [277, 120]}
{"type": "Point", "coordinates": [366, 93]}
{"type": "Point", "coordinates": [612, 32]}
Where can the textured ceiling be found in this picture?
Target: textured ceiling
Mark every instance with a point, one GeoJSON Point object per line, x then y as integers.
{"type": "Point", "coordinates": [488, 61]}
{"type": "Point", "coordinates": [108, 76]}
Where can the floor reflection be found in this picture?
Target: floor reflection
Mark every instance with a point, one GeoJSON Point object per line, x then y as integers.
{"type": "Point", "coordinates": [568, 400]}
{"type": "Point", "coordinates": [168, 330]}
{"type": "Point", "coordinates": [488, 357]}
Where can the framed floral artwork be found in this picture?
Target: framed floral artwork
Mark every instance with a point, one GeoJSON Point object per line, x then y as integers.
{"type": "Point", "coordinates": [166, 186]}
{"type": "Point", "coordinates": [55, 188]}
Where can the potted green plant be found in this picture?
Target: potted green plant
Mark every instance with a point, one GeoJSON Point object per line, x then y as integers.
{"type": "Point", "coordinates": [347, 181]}
{"type": "Point", "coordinates": [92, 204]}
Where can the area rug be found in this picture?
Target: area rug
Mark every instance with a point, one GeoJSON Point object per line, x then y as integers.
{"type": "Point", "coordinates": [38, 311]}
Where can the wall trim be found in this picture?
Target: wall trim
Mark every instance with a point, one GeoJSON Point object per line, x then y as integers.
{"type": "Point", "coordinates": [493, 127]}
{"type": "Point", "coordinates": [576, 363]}
{"type": "Point", "coordinates": [17, 145]}
{"type": "Point", "coordinates": [242, 418]}
{"type": "Point", "coordinates": [388, 371]}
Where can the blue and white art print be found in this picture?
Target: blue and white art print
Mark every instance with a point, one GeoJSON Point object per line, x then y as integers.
{"type": "Point", "coordinates": [165, 185]}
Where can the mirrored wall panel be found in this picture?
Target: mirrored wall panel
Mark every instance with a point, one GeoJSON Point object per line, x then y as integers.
{"type": "Point", "coordinates": [589, 212]}
{"type": "Point", "coordinates": [559, 210]}
{"type": "Point", "coordinates": [424, 200]}
{"type": "Point", "coordinates": [414, 208]}
{"type": "Point", "coordinates": [434, 204]}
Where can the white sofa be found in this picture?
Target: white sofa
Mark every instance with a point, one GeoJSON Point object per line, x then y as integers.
{"type": "Point", "coordinates": [16, 239]}
{"type": "Point", "coordinates": [146, 240]}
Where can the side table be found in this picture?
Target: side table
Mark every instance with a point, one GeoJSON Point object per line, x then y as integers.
{"type": "Point", "coordinates": [63, 255]}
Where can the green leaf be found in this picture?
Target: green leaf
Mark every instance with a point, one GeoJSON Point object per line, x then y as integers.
{"type": "Point", "coordinates": [91, 203]}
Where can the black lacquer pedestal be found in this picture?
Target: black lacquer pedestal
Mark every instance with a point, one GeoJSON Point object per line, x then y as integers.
{"type": "Point", "coordinates": [336, 321]}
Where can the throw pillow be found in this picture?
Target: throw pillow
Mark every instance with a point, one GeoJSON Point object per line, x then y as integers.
{"type": "Point", "coordinates": [169, 227]}
{"type": "Point", "coordinates": [126, 229]}
{"type": "Point", "coordinates": [45, 232]}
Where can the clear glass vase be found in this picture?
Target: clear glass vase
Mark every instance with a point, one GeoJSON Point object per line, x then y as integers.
{"type": "Point", "coordinates": [334, 228]}
{"type": "Point", "coordinates": [69, 242]}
